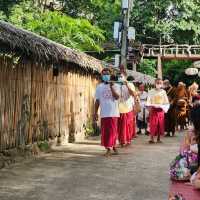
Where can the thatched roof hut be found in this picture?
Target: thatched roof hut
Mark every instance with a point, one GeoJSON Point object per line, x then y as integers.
{"type": "Point", "coordinates": [141, 78]}
{"type": "Point", "coordinates": [37, 49]}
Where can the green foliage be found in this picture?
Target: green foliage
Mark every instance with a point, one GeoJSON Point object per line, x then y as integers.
{"type": "Point", "coordinates": [91, 129]}
{"type": "Point", "coordinates": [2, 16]}
{"type": "Point", "coordinates": [171, 20]}
{"type": "Point", "coordinates": [102, 13]}
{"type": "Point", "coordinates": [43, 146]}
{"type": "Point", "coordinates": [74, 33]}
{"type": "Point", "coordinates": [6, 6]}
{"type": "Point", "coordinates": [175, 71]}
{"type": "Point", "coordinates": [148, 67]}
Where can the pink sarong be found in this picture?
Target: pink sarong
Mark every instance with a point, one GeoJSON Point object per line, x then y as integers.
{"type": "Point", "coordinates": [109, 131]}
{"type": "Point", "coordinates": [156, 122]}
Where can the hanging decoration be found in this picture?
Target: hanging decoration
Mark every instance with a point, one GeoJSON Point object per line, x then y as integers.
{"type": "Point", "coordinates": [191, 71]}
{"type": "Point", "coordinates": [196, 64]}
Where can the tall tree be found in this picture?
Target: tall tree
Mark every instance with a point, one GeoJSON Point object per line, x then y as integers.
{"type": "Point", "coordinates": [102, 13]}
{"type": "Point", "coordinates": [172, 21]}
{"type": "Point", "coordinates": [75, 33]}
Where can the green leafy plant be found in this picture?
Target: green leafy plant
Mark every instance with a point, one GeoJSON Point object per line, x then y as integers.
{"type": "Point", "coordinates": [91, 129]}
{"type": "Point", "coordinates": [75, 33]}
{"type": "Point", "coordinates": [43, 146]}
{"type": "Point", "coordinates": [175, 71]}
{"type": "Point", "coordinates": [148, 67]}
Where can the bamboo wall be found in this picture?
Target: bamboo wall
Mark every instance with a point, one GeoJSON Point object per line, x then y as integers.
{"type": "Point", "coordinates": [35, 105]}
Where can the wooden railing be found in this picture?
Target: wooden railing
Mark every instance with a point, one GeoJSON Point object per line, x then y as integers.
{"type": "Point", "coordinates": [171, 50]}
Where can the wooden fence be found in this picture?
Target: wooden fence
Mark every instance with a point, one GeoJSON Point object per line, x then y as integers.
{"type": "Point", "coordinates": [35, 105]}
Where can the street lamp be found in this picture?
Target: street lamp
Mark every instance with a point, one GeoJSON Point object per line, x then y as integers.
{"type": "Point", "coordinates": [116, 30]}
{"type": "Point", "coordinates": [125, 4]}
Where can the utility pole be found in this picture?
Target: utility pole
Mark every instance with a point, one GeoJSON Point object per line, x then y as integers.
{"type": "Point", "coordinates": [159, 62]}
{"type": "Point", "coordinates": [126, 8]}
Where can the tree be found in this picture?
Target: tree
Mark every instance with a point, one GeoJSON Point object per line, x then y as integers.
{"type": "Point", "coordinates": [74, 33]}
{"type": "Point", "coordinates": [6, 6]}
{"type": "Point", "coordinates": [102, 13]}
{"type": "Point", "coordinates": [172, 21]}
{"type": "Point", "coordinates": [148, 67]}
{"type": "Point", "coordinates": [175, 71]}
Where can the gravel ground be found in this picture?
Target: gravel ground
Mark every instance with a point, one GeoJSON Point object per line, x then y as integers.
{"type": "Point", "coordinates": [80, 172]}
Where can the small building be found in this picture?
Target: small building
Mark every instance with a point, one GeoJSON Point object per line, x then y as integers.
{"type": "Point", "coordinates": [46, 89]}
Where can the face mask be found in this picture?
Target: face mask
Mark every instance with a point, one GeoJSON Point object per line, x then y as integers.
{"type": "Point", "coordinates": [121, 79]}
{"type": "Point", "coordinates": [158, 86]}
{"type": "Point", "coordinates": [106, 78]}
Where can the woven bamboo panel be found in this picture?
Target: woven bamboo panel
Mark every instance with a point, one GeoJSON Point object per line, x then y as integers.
{"type": "Point", "coordinates": [35, 105]}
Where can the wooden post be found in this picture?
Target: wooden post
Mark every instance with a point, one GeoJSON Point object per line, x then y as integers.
{"type": "Point", "coordinates": [134, 65]}
{"type": "Point", "coordinates": [159, 67]}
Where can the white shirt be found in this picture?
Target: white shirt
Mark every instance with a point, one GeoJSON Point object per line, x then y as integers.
{"type": "Point", "coordinates": [144, 112]}
{"type": "Point", "coordinates": [108, 104]}
{"type": "Point", "coordinates": [143, 98]}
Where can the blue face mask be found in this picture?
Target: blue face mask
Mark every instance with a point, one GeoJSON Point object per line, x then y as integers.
{"type": "Point", "coordinates": [106, 78]}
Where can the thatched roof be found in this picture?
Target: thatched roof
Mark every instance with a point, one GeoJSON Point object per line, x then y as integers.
{"type": "Point", "coordinates": [141, 78]}
{"type": "Point", "coordinates": [38, 49]}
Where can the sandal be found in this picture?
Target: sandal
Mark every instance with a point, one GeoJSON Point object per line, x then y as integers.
{"type": "Point", "coordinates": [115, 151]}
{"type": "Point", "coordinates": [108, 153]}
{"type": "Point", "coordinates": [151, 142]}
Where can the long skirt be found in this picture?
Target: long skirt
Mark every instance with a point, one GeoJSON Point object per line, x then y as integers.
{"type": "Point", "coordinates": [126, 128]}
{"type": "Point", "coordinates": [156, 122]}
{"type": "Point", "coordinates": [132, 124]}
{"type": "Point", "coordinates": [170, 120]}
{"type": "Point", "coordinates": [109, 131]}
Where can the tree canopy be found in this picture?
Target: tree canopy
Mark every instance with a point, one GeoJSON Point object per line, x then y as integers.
{"type": "Point", "coordinates": [172, 21]}
{"type": "Point", "coordinates": [102, 13]}
{"type": "Point", "coordinates": [75, 33]}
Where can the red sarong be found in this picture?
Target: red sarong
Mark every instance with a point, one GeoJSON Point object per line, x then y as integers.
{"type": "Point", "coordinates": [156, 122]}
{"type": "Point", "coordinates": [133, 124]}
{"type": "Point", "coordinates": [125, 128]}
{"type": "Point", "coordinates": [109, 131]}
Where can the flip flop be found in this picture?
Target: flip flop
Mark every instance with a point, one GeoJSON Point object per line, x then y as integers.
{"type": "Point", "coordinates": [108, 154]}
{"type": "Point", "coordinates": [151, 142]}
{"type": "Point", "coordinates": [115, 152]}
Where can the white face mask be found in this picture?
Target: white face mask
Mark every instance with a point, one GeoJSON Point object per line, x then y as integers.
{"type": "Point", "coordinates": [158, 86]}
{"type": "Point", "coordinates": [121, 79]}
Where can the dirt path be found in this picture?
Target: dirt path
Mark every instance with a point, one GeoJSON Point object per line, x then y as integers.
{"type": "Point", "coordinates": [80, 172]}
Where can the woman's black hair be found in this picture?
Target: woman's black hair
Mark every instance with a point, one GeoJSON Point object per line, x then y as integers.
{"type": "Point", "coordinates": [130, 78]}
{"type": "Point", "coordinates": [113, 78]}
{"type": "Point", "coordinates": [195, 117]}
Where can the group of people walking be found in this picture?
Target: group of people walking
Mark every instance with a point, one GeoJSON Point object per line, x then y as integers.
{"type": "Point", "coordinates": [162, 110]}
{"type": "Point", "coordinates": [118, 102]}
